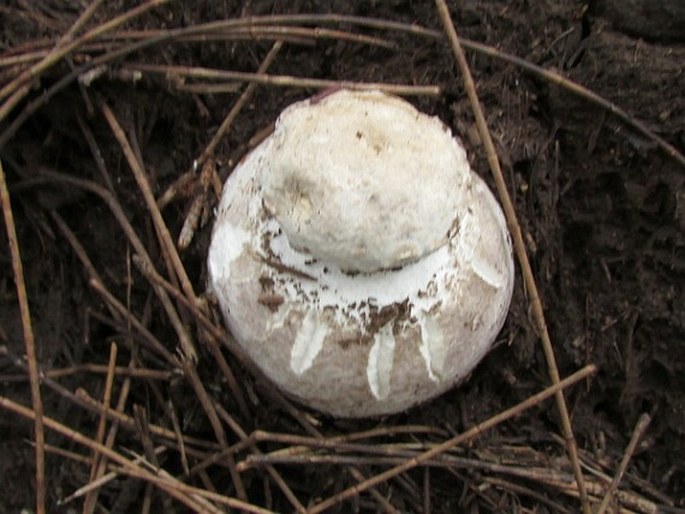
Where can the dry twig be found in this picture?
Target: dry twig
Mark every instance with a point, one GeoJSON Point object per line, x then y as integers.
{"type": "Point", "coordinates": [519, 245]}
{"type": "Point", "coordinates": [29, 341]}
{"type": "Point", "coordinates": [205, 158]}
{"type": "Point", "coordinates": [278, 80]}
{"type": "Point", "coordinates": [580, 91]}
{"type": "Point", "coordinates": [171, 488]}
{"type": "Point", "coordinates": [18, 87]}
{"type": "Point", "coordinates": [640, 428]}
{"type": "Point", "coordinates": [96, 469]}
{"type": "Point", "coordinates": [451, 443]}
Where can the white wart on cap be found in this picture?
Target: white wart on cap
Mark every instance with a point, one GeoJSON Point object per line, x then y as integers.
{"type": "Point", "coordinates": [357, 259]}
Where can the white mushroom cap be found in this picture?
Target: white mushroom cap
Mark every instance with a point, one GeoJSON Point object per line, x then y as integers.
{"type": "Point", "coordinates": [354, 178]}
{"type": "Point", "coordinates": [357, 259]}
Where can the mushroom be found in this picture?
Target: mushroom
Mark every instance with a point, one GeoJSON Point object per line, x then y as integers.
{"type": "Point", "coordinates": [357, 259]}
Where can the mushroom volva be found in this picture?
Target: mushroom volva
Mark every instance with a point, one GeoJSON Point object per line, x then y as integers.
{"type": "Point", "coordinates": [357, 259]}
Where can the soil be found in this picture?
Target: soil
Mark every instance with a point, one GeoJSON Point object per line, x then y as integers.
{"type": "Point", "coordinates": [601, 206]}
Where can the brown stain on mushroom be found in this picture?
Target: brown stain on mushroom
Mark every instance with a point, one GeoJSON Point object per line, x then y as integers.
{"type": "Point", "coordinates": [267, 283]}
{"type": "Point", "coordinates": [394, 313]}
{"type": "Point", "coordinates": [279, 266]}
{"type": "Point", "coordinates": [269, 298]}
{"type": "Point", "coordinates": [347, 342]}
{"type": "Point", "coordinates": [271, 301]}
{"type": "Point", "coordinates": [454, 229]}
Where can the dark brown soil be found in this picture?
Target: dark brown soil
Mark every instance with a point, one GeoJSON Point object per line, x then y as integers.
{"type": "Point", "coordinates": [602, 209]}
